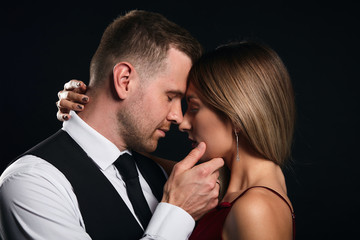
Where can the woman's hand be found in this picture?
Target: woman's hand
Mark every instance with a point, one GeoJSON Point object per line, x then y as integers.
{"type": "Point", "coordinates": [71, 98]}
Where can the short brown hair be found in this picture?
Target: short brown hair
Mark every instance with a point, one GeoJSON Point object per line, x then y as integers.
{"type": "Point", "coordinates": [248, 83]}
{"type": "Point", "coordinates": [142, 38]}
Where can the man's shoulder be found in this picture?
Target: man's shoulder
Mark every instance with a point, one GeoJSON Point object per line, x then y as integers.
{"type": "Point", "coordinates": [31, 169]}
{"type": "Point", "coordinates": [34, 196]}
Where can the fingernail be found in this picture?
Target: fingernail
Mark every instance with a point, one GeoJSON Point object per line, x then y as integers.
{"type": "Point", "coordinates": [79, 107]}
{"type": "Point", "coordinates": [85, 99]}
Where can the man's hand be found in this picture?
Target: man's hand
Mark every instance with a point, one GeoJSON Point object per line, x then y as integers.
{"type": "Point", "coordinates": [71, 98]}
{"type": "Point", "coordinates": [194, 188]}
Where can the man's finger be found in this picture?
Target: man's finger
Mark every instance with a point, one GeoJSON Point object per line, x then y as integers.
{"type": "Point", "coordinates": [193, 157]}
{"type": "Point", "coordinates": [212, 165]}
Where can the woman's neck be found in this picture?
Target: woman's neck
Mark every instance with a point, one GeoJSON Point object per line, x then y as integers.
{"type": "Point", "coordinates": [252, 170]}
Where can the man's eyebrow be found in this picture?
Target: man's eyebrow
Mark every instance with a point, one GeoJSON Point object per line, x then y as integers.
{"type": "Point", "coordinates": [175, 92]}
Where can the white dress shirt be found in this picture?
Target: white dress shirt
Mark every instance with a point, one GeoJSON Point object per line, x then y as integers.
{"type": "Point", "coordinates": [37, 201]}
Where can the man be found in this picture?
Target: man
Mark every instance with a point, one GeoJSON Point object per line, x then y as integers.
{"type": "Point", "coordinates": [76, 184]}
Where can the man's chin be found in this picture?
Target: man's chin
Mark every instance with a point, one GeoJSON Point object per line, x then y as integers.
{"type": "Point", "coordinates": [148, 148]}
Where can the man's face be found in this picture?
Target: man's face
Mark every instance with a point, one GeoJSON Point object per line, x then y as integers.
{"type": "Point", "coordinates": [156, 105]}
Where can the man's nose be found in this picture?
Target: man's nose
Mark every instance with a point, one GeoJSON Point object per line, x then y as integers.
{"type": "Point", "coordinates": [175, 114]}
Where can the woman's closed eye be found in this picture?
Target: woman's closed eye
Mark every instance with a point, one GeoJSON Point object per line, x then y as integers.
{"type": "Point", "coordinates": [193, 104]}
{"type": "Point", "coordinates": [193, 109]}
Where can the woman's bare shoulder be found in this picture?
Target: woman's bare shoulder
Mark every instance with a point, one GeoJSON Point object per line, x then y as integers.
{"type": "Point", "coordinates": [254, 205]}
{"type": "Point", "coordinates": [257, 214]}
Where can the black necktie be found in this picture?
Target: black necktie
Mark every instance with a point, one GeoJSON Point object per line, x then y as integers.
{"type": "Point", "coordinates": [126, 167]}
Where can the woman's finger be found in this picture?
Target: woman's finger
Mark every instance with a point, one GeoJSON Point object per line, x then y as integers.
{"type": "Point", "coordinates": [76, 86]}
{"type": "Point", "coordinates": [73, 96]}
{"type": "Point", "coordinates": [65, 106]}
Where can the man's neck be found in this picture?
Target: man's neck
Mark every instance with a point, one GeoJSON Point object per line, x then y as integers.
{"type": "Point", "coordinates": [100, 114]}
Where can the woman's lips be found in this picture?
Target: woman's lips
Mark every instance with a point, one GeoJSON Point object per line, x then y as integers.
{"type": "Point", "coordinates": [194, 143]}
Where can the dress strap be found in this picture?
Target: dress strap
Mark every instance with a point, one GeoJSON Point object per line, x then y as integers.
{"type": "Point", "coordinates": [279, 195]}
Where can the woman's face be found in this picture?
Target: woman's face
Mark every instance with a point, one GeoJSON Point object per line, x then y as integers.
{"type": "Point", "coordinates": [204, 125]}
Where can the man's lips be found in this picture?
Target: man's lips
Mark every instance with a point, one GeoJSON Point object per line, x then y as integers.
{"type": "Point", "coordinates": [163, 131]}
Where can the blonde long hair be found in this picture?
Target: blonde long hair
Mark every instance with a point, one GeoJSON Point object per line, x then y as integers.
{"type": "Point", "coordinates": [248, 83]}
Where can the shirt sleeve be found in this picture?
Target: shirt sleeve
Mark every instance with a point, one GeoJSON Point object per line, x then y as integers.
{"type": "Point", "coordinates": [35, 205]}
{"type": "Point", "coordinates": [169, 222]}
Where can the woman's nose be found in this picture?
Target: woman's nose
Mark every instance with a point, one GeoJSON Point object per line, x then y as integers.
{"type": "Point", "coordinates": [185, 124]}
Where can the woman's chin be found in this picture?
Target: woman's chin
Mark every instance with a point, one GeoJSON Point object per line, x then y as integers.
{"type": "Point", "coordinates": [206, 157]}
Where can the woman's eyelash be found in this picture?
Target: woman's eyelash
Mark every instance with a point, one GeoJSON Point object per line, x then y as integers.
{"type": "Point", "coordinates": [193, 109]}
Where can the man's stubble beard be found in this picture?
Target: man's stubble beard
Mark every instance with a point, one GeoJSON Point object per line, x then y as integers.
{"type": "Point", "coordinates": [133, 128]}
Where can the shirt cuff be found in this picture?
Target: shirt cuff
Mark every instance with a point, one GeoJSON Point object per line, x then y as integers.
{"type": "Point", "coordinates": [170, 222]}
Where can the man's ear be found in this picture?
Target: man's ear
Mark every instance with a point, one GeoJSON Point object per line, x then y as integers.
{"type": "Point", "coordinates": [122, 73]}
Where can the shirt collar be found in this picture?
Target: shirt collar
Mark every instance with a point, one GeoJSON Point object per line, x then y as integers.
{"type": "Point", "coordinates": [101, 150]}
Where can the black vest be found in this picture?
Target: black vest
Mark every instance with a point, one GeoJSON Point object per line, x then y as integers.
{"type": "Point", "coordinates": [105, 214]}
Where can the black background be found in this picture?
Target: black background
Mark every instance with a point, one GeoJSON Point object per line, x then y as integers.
{"type": "Point", "coordinates": [43, 45]}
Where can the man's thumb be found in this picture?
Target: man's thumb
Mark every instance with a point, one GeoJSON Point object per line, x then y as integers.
{"type": "Point", "coordinates": [194, 156]}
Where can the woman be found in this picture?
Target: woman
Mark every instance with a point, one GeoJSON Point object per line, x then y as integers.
{"type": "Point", "coordinates": [241, 104]}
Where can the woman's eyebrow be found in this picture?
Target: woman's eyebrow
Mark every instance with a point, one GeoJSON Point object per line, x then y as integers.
{"type": "Point", "coordinates": [190, 97]}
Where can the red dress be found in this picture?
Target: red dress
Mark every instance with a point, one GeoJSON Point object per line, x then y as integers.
{"type": "Point", "coordinates": [210, 226]}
